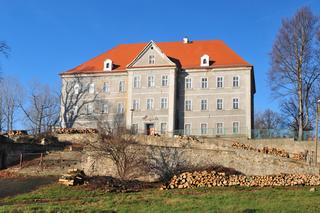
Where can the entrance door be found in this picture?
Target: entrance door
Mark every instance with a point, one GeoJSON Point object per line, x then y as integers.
{"type": "Point", "coordinates": [150, 129]}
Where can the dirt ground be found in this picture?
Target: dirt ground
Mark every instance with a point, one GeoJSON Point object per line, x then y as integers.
{"type": "Point", "coordinates": [20, 185]}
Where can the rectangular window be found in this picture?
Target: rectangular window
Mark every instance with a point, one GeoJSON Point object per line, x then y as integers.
{"type": "Point", "coordinates": [105, 108]}
{"type": "Point", "coordinates": [235, 103]}
{"type": "Point", "coordinates": [204, 105]}
{"type": "Point", "coordinates": [136, 105]}
{"type": "Point", "coordinates": [91, 88]}
{"type": "Point", "coordinates": [151, 81]}
{"type": "Point", "coordinates": [235, 127]}
{"type": "Point", "coordinates": [188, 83]}
{"type": "Point", "coordinates": [204, 129]}
{"type": "Point", "coordinates": [164, 103]}
{"type": "Point", "coordinates": [235, 82]}
{"type": "Point", "coordinates": [219, 82]}
{"type": "Point", "coordinates": [187, 129]}
{"type": "Point", "coordinates": [219, 128]}
{"type": "Point", "coordinates": [106, 87]}
{"type": "Point", "coordinates": [163, 128]}
{"type": "Point", "coordinates": [204, 83]}
{"type": "Point", "coordinates": [152, 59]}
{"type": "Point", "coordinates": [76, 89]}
{"type": "Point", "coordinates": [89, 108]}
{"type": "Point", "coordinates": [219, 104]}
{"type": "Point", "coordinates": [134, 128]}
{"type": "Point", "coordinates": [188, 105]}
{"type": "Point", "coordinates": [164, 80]}
{"type": "Point", "coordinates": [120, 108]}
{"type": "Point", "coordinates": [136, 82]}
{"type": "Point", "coordinates": [121, 86]}
{"type": "Point", "coordinates": [149, 103]}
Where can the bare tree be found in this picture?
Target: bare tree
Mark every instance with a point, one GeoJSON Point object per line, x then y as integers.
{"type": "Point", "coordinates": [269, 124]}
{"type": "Point", "coordinates": [42, 109]}
{"type": "Point", "coordinates": [10, 90]}
{"type": "Point", "coordinates": [293, 72]}
{"type": "Point", "coordinates": [74, 98]}
{"type": "Point", "coordinates": [122, 149]}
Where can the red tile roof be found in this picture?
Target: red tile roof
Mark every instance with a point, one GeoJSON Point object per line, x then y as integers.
{"type": "Point", "coordinates": [187, 55]}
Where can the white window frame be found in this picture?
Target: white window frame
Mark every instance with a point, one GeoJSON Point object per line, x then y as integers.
{"type": "Point", "coordinates": [206, 83]}
{"type": "Point", "coordinates": [164, 80]}
{"type": "Point", "coordinates": [161, 103]}
{"type": "Point", "coordinates": [106, 87]}
{"type": "Point", "coordinates": [163, 130]}
{"type": "Point", "coordinates": [152, 104]}
{"type": "Point", "coordinates": [105, 108]}
{"type": "Point", "coordinates": [91, 88]}
{"type": "Point", "coordinates": [206, 129]}
{"type": "Point", "coordinates": [217, 108]}
{"type": "Point", "coordinates": [233, 103]}
{"type": "Point", "coordinates": [76, 89]}
{"type": "Point", "coordinates": [122, 86]}
{"type": "Point", "coordinates": [222, 128]}
{"type": "Point", "coordinates": [151, 84]}
{"type": "Point", "coordinates": [238, 81]}
{"type": "Point", "coordinates": [185, 105]}
{"type": "Point", "coordinates": [187, 83]}
{"type": "Point", "coordinates": [152, 59]}
{"type": "Point", "coordinates": [120, 108]}
{"type": "Point", "coordinates": [136, 104]}
{"type": "Point", "coordinates": [205, 99]}
{"type": "Point", "coordinates": [222, 82]}
{"type": "Point", "coordinates": [185, 132]}
{"type": "Point", "coordinates": [136, 82]}
{"type": "Point", "coordinates": [135, 128]}
{"type": "Point", "coordinates": [89, 108]}
{"type": "Point", "coordinates": [238, 130]}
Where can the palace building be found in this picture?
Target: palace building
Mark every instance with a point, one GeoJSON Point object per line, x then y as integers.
{"type": "Point", "coordinates": [185, 87]}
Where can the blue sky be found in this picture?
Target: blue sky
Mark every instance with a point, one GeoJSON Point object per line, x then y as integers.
{"type": "Point", "coordinates": [51, 36]}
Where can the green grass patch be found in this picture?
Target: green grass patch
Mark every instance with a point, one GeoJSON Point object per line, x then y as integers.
{"type": "Point", "coordinates": [58, 198]}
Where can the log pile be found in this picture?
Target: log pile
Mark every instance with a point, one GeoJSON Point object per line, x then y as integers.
{"type": "Point", "coordinates": [75, 131]}
{"type": "Point", "coordinates": [186, 138]}
{"type": "Point", "coordinates": [213, 179]}
{"type": "Point", "coordinates": [73, 177]}
{"type": "Point", "coordinates": [271, 151]}
{"type": "Point", "coordinates": [13, 133]}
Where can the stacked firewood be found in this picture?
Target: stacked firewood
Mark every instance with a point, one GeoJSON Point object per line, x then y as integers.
{"type": "Point", "coordinates": [75, 131]}
{"type": "Point", "coordinates": [187, 138]}
{"type": "Point", "coordinates": [13, 133]}
{"type": "Point", "coordinates": [213, 179]}
{"type": "Point", "coordinates": [73, 177]}
{"type": "Point", "coordinates": [271, 151]}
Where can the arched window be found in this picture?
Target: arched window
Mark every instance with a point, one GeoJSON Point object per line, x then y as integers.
{"type": "Point", "coordinates": [107, 65]}
{"type": "Point", "coordinates": [204, 60]}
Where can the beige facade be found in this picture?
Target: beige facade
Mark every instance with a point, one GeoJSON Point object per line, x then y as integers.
{"type": "Point", "coordinates": [158, 96]}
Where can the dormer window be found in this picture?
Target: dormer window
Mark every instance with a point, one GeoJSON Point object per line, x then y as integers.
{"type": "Point", "coordinates": [204, 61]}
{"type": "Point", "coordinates": [107, 65]}
{"type": "Point", "coordinates": [152, 59]}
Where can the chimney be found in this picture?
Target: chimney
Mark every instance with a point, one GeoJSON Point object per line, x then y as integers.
{"type": "Point", "coordinates": [186, 40]}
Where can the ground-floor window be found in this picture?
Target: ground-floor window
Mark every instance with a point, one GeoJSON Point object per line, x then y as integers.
{"type": "Point", "coordinates": [187, 129]}
{"type": "Point", "coordinates": [235, 127]}
{"type": "Point", "coordinates": [204, 129]}
{"type": "Point", "coordinates": [219, 128]}
{"type": "Point", "coordinates": [163, 128]}
{"type": "Point", "coordinates": [134, 128]}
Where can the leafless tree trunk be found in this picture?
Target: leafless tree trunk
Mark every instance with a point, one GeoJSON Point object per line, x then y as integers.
{"type": "Point", "coordinates": [74, 98]}
{"type": "Point", "coordinates": [293, 71]}
{"type": "Point", "coordinates": [10, 91]}
{"type": "Point", "coordinates": [42, 110]}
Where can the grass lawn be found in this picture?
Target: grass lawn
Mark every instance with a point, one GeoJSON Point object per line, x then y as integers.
{"type": "Point", "coordinates": [57, 198]}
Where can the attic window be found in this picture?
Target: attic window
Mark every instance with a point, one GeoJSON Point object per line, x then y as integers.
{"type": "Point", "coordinates": [107, 65]}
{"type": "Point", "coordinates": [204, 61]}
{"type": "Point", "coordinates": [152, 59]}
